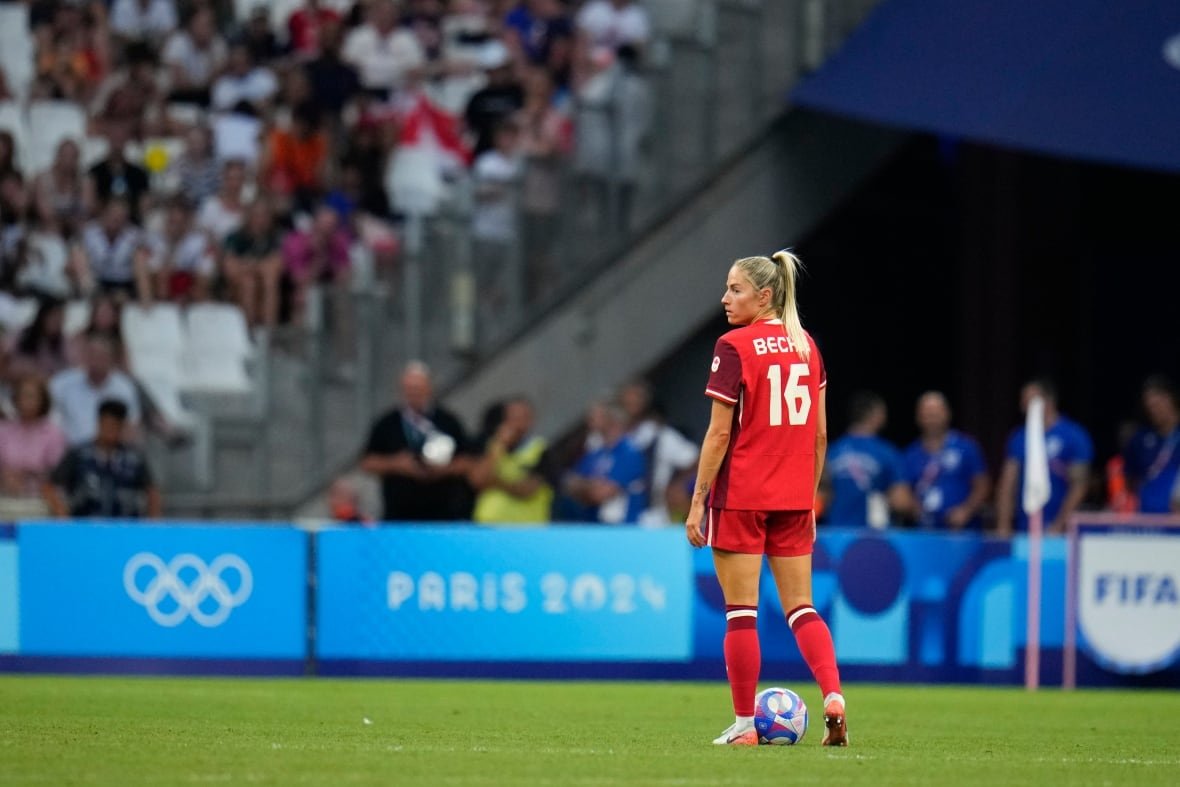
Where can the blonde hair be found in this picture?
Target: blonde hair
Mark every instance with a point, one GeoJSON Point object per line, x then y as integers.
{"type": "Point", "coordinates": [778, 273]}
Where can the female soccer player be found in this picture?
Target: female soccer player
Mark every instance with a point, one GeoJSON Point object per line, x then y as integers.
{"type": "Point", "coordinates": [756, 483]}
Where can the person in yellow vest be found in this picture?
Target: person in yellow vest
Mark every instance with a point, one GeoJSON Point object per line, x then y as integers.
{"type": "Point", "coordinates": [512, 477]}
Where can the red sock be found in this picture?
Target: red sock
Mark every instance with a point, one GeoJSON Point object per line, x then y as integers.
{"type": "Point", "coordinates": [743, 657]}
{"type": "Point", "coordinates": [815, 643]}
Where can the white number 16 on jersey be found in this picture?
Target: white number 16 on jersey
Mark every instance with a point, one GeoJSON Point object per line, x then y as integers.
{"type": "Point", "coordinates": [797, 396]}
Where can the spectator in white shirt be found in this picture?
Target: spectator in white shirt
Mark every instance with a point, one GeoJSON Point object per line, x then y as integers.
{"type": "Point", "coordinates": [385, 55]}
{"type": "Point", "coordinates": [614, 113]}
{"type": "Point", "coordinates": [496, 174]}
{"type": "Point", "coordinates": [78, 391]}
{"type": "Point", "coordinates": [116, 251]}
{"type": "Point", "coordinates": [499, 278]}
{"type": "Point", "coordinates": [143, 20]}
{"type": "Point", "coordinates": [613, 23]}
{"type": "Point", "coordinates": [244, 83]}
{"type": "Point", "coordinates": [671, 457]}
{"type": "Point", "coordinates": [194, 56]}
{"type": "Point", "coordinates": [222, 213]}
{"type": "Point", "coordinates": [181, 262]}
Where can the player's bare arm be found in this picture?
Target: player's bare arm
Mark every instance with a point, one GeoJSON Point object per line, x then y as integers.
{"type": "Point", "coordinates": [713, 449]}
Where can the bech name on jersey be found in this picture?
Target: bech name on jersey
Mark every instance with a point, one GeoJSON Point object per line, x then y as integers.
{"type": "Point", "coordinates": [773, 344]}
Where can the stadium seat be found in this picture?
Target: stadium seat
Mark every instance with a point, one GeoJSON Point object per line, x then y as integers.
{"type": "Point", "coordinates": [50, 122]}
{"type": "Point", "coordinates": [280, 12]}
{"type": "Point", "coordinates": [94, 150]}
{"type": "Point", "coordinates": [16, 47]}
{"type": "Point", "coordinates": [77, 318]}
{"type": "Point", "coordinates": [678, 18]}
{"type": "Point", "coordinates": [16, 313]}
{"type": "Point", "coordinates": [217, 349]}
{"type": "Point", "coordinates": [237, 137]}
{"type": "Point", "coordinates": [155, 329]}
{"type": "Point", "coordinates": [154, 338]}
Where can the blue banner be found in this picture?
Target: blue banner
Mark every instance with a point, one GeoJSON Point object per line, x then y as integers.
{"type": "Point", "coordinates": [170, 591]}
{"type": "Point", "coordinates": [475, 594]}
{"type": "Point", "coordinates": [906, 605]}
{"type": "Point", "coordinates": [9, 592]}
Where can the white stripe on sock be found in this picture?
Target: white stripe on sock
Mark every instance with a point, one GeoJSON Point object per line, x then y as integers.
{"type": "Point", "coordinates": [741, 613]}
{"type": "Point", "coordinates": [798, 614]}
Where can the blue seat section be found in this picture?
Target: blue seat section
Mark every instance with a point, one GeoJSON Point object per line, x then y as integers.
{"type": "Point", "coordinates": [1086, 79]}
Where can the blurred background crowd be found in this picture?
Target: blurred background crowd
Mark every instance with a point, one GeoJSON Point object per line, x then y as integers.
{"type": "Point", "coordinates": [162, 158]}
{"type": "Point", "coordinates": [627, 465]}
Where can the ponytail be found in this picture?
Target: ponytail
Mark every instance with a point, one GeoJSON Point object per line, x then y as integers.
{"type": "Point", "coordinates": [788, 266]}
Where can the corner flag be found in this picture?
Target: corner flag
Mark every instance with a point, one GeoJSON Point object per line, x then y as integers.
{"type": "Point", "coordinates": [1035, 495]}
{"type": "Point", "coordinates": [1036, 459]}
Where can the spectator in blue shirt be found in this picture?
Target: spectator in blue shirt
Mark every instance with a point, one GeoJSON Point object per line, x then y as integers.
{"type": "Point", "coordinates": [945, 468]}
{"type": "Point", "coordinates": [1070, 452]}
{"type": "Point", "coordinates": [608, 483]}
{"type": "Point", "coordinates": [864, 477]}
{"type": "Point", "coordinates": [1152, 458]}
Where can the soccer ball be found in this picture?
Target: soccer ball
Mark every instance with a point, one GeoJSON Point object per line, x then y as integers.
{"type": "Point", "coordinates": [780, 716]}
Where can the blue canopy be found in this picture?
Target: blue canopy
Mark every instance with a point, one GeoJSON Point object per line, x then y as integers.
{"type": "Point", "coordinates": [1092, 79]}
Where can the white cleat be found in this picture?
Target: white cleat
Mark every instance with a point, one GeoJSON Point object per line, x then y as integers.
{"type": "Point", "coordinates": [738, 735]}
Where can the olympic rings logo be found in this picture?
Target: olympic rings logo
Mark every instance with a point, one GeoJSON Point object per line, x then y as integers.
{"type": "Point", "coordinates": [186, 587]}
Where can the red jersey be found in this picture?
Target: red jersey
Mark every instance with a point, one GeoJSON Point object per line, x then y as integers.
{"type": "Point", "coordinates": [770, 462]}
{"type": "Point", "coordinates": [304, 28]}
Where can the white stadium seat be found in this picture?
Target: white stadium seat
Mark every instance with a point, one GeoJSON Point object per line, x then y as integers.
{"type": "Point", "coordinates": [154, 330]}
{"type": "Point", "coordinates": [16, 47]}
{"type": "Point", "coordinates": [154, 337]}
{"type": "Point", "coordinates": [94, 150]}
{"type": "Point", "coordinates": [217, 349]}
{"type": "Point", "coordinates": [50, 122]}
{"type": "Point", "coordinates": [16, 313]}
{"type": "Point", "coordinates": [77, 318]}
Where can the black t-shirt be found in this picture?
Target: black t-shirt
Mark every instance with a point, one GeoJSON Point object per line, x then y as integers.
{"type": "Point", "coordinates": [333, 83]}
{"type": "Point", "coordinates": [405, 498]}
{"type": "Point", "coordinates": [243, 243]}
{"type": "Point", "coordinates": [487, 108]}
{"type": "Point", "coordinates": [128, 181]}
{"type": "Point", "coordinates": [104, 484]}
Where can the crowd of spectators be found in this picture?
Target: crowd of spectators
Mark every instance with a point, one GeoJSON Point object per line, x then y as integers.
{"type": "Point", "coordinates": [205, 140]}
{"type": "Point", "coordinates": [631, 467]}
{"type": "Point", "coordinates": [941, 480]}
{"type": "Point", "coordinates": [207, 149]}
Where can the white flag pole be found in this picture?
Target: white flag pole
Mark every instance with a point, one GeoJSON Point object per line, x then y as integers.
{"type": "Point", "coordinates": [1032, 649]}
{"type": "Point", "coordinates": [1036, 494]}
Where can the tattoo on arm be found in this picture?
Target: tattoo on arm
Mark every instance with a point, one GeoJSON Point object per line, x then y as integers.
{"type": "Point", "coordinates": [703, 488]}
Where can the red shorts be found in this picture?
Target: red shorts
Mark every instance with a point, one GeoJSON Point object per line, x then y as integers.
{"type": "Point", "coordinates": [775, 533]}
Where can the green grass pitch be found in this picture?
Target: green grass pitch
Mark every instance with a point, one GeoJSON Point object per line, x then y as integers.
{"type": "Point", "coordinates": [163, 731]}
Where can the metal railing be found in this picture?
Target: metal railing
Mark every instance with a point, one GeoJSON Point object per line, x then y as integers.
{"type": "Point", "coordinates": [717, 76]}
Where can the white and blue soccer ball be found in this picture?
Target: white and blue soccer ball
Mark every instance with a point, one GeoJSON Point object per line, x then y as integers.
{"type": "Point", "coordinates": [780, 716]}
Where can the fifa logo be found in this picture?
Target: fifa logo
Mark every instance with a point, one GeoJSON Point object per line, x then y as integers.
{"type": "Point", "coordinates": [185, 587]}
{"type": "Point", "coordinates": [1135, 589]}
